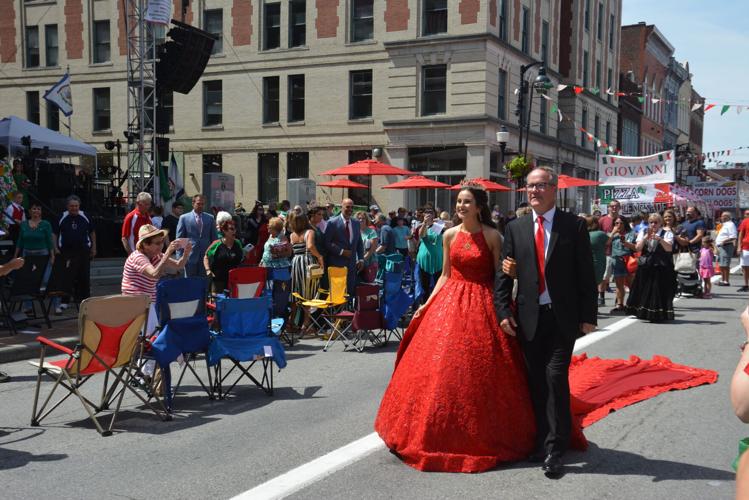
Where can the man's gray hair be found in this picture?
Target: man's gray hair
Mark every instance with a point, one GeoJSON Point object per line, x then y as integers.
{"type": "Point", "coordinates": [72, 198]}
{"type": "Point", "coordinates": [553, 177]}
{"type": "Point", "coordinates": [381, 217]}
{"type": "Point", "coordinates": [143, 197]}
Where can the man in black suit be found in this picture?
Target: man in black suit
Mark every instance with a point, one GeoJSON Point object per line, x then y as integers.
{"type": "Point", "coordinates": [549, 251]}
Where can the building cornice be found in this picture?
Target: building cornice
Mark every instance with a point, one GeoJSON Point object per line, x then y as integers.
{"type": "Point", "coordinates": [450, 39]}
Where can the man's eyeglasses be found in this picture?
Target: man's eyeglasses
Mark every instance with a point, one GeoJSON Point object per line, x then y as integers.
{"type": "Point", "coordinates": [539, 186]}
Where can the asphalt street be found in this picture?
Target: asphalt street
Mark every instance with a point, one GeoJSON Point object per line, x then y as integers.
{"type": "Point", "coordinates": [677, 445]}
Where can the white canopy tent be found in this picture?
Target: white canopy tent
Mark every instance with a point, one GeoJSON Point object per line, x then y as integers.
{"type": "Point", "coordinates": [12, 129]}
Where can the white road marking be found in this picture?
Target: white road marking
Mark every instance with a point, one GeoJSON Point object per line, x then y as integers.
{"type": "Point", "coordinates": [304, 475]}
{"type": "Point", "coordinates": [311, 472]}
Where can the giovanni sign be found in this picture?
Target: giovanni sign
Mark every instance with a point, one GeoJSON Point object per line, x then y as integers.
{"type": "Point", "coordinates": [659, 168]}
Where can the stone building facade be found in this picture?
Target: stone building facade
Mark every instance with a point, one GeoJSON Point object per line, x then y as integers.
{"type": "Point", "coordinates": [297, 87]}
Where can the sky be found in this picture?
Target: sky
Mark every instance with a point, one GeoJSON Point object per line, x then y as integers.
{"type": "Point", "coordinates": [713, 36]}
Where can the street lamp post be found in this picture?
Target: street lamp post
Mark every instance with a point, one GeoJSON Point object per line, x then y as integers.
{"type": "Point", "coordinates": [540, 84]}
{"type": "Point", "coordinates": [503, 136]}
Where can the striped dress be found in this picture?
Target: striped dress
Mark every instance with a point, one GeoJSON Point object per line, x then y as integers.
{"type": "Point", "coordinates": [300, 282]}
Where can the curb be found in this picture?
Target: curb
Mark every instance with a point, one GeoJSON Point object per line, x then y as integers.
{"type": "Point", "coordinates": [30, 350]}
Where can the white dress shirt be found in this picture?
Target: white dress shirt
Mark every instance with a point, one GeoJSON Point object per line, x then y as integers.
{"type": "Point", "coordinates": [545, 298]}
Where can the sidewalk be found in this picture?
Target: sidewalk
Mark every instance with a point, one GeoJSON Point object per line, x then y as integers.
{"type": "Point", "coordinates": [64, 330]}
{"type": "Point", "coordinates": [24, 345]}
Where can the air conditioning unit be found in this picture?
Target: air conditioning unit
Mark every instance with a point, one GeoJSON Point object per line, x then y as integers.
{"type": "Point", "coordinates": [218, 189]}
{"type": "Point", "coordinates": [301, 191]}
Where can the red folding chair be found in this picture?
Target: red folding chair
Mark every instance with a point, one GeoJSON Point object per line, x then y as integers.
{"type": "Point", "coordinates": [247, 282]}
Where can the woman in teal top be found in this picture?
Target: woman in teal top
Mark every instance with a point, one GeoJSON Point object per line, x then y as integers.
{"type": "Point", "coordinates": [429, 256]}
{"type": "Point", "coordinates": [402, 235]}
{"type": "Point", "coordinates": [368, 237]}
{"type": "Point", "coordinates": [35, 238]}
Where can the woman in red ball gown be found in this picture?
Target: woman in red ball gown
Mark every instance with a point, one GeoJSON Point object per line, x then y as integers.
{"type": "Point", "coordinates": [458, 400]}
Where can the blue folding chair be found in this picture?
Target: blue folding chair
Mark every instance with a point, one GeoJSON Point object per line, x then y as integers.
{"type": "Point", "coordinates": [245, 335]}
{"type": "Point", "coordinates": [279, 288]}
{"type": "Point", "coordinates": [181, 311]}
{"type": "Point", "coordinates": [395, 303]}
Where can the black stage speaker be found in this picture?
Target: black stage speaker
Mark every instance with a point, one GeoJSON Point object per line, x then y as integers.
{"type": "Point", "coordinates": [162, 149]}
{"type": "Point", "coordinates": [182, 59]}
{"type": "Point", "coordinates": [162, 118]}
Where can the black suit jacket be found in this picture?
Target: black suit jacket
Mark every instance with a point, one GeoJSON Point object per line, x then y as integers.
{"type": "Point", "coordinates": [569, 275]}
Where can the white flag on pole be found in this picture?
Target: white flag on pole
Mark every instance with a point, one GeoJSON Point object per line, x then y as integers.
{"type": "Point", "coordinates": [159, 11]}
{"type": "Point", "coordinates": [61, 96]}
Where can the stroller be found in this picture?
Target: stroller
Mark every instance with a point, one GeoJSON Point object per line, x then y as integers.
{"type": "Point", "coordinates": [687, 278]}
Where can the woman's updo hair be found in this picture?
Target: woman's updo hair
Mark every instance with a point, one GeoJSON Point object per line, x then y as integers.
{"type": "Point", "coordinates": [482, 201]}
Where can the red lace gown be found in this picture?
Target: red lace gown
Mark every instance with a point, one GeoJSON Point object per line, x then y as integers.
{"type": "Point", "coordinates": [458, 400]}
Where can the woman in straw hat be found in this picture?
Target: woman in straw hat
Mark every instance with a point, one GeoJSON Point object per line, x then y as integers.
{"type": "Point", "coordinates": [148, 263]}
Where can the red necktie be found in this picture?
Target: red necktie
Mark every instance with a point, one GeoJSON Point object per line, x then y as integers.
{"type": "Point", "coordinates": [348, 230]}
{"type": "Point", "coordinates": [540, 255]}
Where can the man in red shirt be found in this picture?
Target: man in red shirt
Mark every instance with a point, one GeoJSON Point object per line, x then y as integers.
{"type": "Point", "coordinates": [134, 220]}
{"type": "Point", "coordinates": [742, 250]}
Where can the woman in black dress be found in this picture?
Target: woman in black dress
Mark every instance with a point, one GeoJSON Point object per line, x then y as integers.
{"type": "Point", "coordinates": [652, 293]}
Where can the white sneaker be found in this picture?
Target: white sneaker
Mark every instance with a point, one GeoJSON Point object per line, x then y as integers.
{"type": "Point", "coordinates": [64, 306]}
{"type": "Point", "coordinates": [58, 310]}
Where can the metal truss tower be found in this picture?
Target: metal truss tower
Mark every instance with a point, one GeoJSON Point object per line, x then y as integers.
{"type": "Point", "coordinates": [141, 95]}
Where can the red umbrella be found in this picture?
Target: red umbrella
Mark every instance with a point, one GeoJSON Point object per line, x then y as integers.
{"type": "Point", "coordinates": [488, 185]}
{"type": "Point", "coordinates": [368, 167]}
{"type": "Point", "coordinates": [565, 181]}
{"type": "Point", "coordinates": [417, 182]}
{"type": "Point", "coordinates": [343, 183]}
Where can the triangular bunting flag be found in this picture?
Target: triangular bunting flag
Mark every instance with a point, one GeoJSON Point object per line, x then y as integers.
{"type": "Point", "coordinates": [578, 90]}
{"type": "Point", "coordinates": [561, 87]}
{"type": "Point", "coordinates": [609, 91]}
{"type": "Point", "coordinates": [724, 109]}
{"type": "Point", "coordinates": [708, 107]}
{"type": "Point", "coordinates": [655, 101]}
{"type": "Point", "coordinates": [594, 91]}
{"type": "Point", "coordinates": [641, 99]}
{"type": "Point", "coordinates": [516, 91]}
{"type": "Point", "coordinates": [697, 106]}
{"type": "Point", "coordinates": [546, 97]}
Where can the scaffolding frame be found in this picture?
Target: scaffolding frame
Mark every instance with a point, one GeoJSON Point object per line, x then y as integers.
{"type": "Point", "coordinates": [141, 96]}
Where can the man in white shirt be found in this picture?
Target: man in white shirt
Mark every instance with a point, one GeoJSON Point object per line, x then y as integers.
{"type": "Point", "coordinates": [725, 242]}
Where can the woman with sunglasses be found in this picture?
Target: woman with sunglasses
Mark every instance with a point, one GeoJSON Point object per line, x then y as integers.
{"type": "Point", "coordinates": [652, 293]}
{"type": "Point", "coordinates": [222, 256]}
{"type": "Point", "coordinates": [148, 263]}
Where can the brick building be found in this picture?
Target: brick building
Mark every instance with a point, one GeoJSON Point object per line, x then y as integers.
{"type": "Point", "coordinates": [297, 87]}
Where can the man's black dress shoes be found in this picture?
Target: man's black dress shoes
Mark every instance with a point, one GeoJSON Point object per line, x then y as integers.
{"type": "Point", "coordinates": [552, 466]}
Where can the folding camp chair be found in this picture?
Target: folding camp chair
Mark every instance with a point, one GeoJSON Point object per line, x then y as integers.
{"type": "Point", "coordinates": [243, 283]}
{"type": "Point", "coordinates": [367, 323]}
{"type": "Point", "coordinates": [26, 286]}
{"type": "Point", "coordinates": [110, 343]}
{"type": "Point", "coordinates": [396, 302]}
{"type": "Point", "coordinates": [278, 287]}
{"type": "Point", "coordinates": [245, 335]}
{"type": "Point", "coordinates": [180, 306]}
{"type": "Point", "coordinates": [247, 282]}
